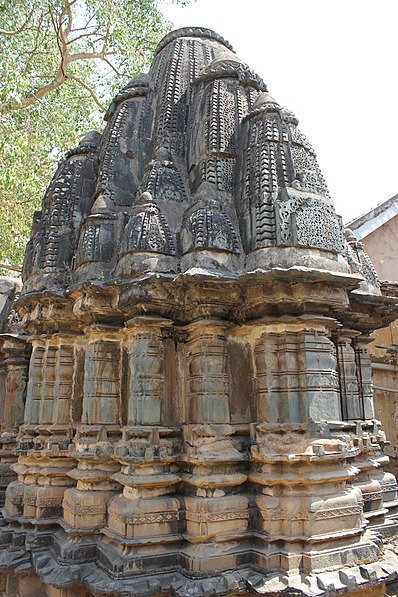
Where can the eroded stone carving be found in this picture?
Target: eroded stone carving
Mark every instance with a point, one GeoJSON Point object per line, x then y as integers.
{"type": "Point", "coordinates": [147, 230]}
{"type": "Point", "coordinates": [196, 413]}
{"type": "Point", "coordinates": [359, 260]}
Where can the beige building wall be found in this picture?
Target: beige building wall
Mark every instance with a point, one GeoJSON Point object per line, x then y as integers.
{"type": "Point", "coordinates": [382, 247]}
{"type": "Point", "coordinates": [385, 386]}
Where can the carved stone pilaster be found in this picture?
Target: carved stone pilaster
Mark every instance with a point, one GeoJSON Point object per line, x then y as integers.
{"type": "Point", "coordinates": [84, 506]}
{"type": "Point", "coordinates": [101, 401]}
{"type": "Point", "coordinates": [147, 510]}
{"type": "Point", "coordinates": [355, 374]}
{"type": "Point", "coordinates": [213, 452]}
{"type": "Point", "coordinates": [296, 377]}
{"type": "Point", "coordinates": [206, 353]}
{"type": "Point", "coordinates": [352, 407]}
{"type": "Point", "coordinates": [36, 373]}
{"type": "Point", "coordinates": [15, 352]}
{"type": "Point", "coordinates": [45, 438]}
{"type": "Point", "coordinates": [364, 375]}
{"type": "Point", "coordinates": [146, 368]}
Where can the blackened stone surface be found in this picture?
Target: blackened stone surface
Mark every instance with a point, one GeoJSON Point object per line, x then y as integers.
{"type": "Point", "coordinates": [196, 159]}
{"type": "Point", "coordinates": [197, 407]}
{"type": "Point", "coordinates": [9, 291]}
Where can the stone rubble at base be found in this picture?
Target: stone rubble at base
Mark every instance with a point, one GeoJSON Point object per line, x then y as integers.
{"type": "Point", "coordinates": [187, 397]}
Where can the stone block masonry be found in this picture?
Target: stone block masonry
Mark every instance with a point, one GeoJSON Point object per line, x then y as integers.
{"type": "Point", "coordinates": [187, 406]}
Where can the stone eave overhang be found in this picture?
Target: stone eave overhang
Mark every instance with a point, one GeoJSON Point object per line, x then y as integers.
{"type": "Point", "coordinates": [194, 294]}
{"type": "Point", "coordinates": [371, 312]}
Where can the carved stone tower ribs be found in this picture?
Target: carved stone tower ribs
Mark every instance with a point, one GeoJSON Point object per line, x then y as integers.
{"type": "Point", "coordinates": [196, 414]}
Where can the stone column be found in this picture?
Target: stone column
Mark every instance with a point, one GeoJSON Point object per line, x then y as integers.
{"type": "Point", "coordinates": [207, 373]}
{"type": "Point", "coordinates": [15, 362]}
{"type": "Point", "coordinates": [44, 460]}
{"type": "Point", "coordinates": [145, 349]}
{"type": "Point", "coordinates": [146, 511]}
{"type": "Point", "coordinates": [364, 374]}
{"type": "Point", "coordinates": [296, 467]}
{"type": "Point", "coordinates": [15, 492]}
{"type": "Point", "coordinates": [357, 403]}
{"type": "Point", "coordinates": [16, 353]}
{"type": "Point", "coordinates": [85, 505]}
{"type": "Point", "coordinates": [347, 361]}
{"type": "Point", "coordinates": [296, 377]}
{"type": "Point", "coordinates": [36, 373]}
{"type": "Point", "coordinates": [215, 514]}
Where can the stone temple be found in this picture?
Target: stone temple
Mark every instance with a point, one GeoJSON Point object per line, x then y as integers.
{"type": "Point", "coordinates": [187, 407]}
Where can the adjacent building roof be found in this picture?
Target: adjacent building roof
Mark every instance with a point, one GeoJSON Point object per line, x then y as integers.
{"type": "Point", "coordinates": [373, 219]}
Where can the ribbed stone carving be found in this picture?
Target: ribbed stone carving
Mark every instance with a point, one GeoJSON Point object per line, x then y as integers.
{"type": "Point", "coordinates": [196, 414]}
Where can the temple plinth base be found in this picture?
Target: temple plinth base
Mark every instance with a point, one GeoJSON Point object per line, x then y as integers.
{"type": "Point", "coordinates": [84, 506]}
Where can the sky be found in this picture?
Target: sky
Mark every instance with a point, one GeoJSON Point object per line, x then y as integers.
{"type": "Point", "coordinates": [334, 64]}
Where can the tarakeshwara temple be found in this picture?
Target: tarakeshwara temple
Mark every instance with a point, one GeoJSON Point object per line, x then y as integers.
{"type": "Point", "coordinates": [187, 396]}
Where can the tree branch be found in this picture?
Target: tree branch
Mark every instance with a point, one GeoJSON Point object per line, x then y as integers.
{"type": "Point", "coordinates": [89, 56]}
{"type": "Point", "coordinates": [90, 91]}
{"type": "Point", "coordinates": [11, 268]}
{"type": "Point", "coordinates": [66, 11]}
{"type": "Point", "coordinates": [63, 25]}
{"type": "Point", "coordinates": [21, 28]}
{"type": "Point", "coordinates": [112, 66]}
{"type": "Point", "coordinates": [33, 98]}
{"type": "Point", "coordinates": [106, 36]}
{"type": "Point", "coordinates": [89, 34]}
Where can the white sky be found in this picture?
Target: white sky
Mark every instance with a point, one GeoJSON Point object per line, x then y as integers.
{"type": "Point", "coordinates": [334, 64]}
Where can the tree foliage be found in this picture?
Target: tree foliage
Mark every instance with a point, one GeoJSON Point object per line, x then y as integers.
{"type": "Point", "coordinates": [61, 61]}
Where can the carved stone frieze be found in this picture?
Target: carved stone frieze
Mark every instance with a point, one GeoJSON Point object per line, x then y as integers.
{"type": "Point", "coordinates": [310, 222]}
{"type": "Point", "coordinates": [185, 388]}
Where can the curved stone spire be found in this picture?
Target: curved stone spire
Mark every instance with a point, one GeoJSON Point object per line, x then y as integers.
{"type": "Point", "coordinates": [199, 116]}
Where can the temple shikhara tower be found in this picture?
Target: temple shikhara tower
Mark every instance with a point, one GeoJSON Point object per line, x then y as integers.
{"type": "Point", "coordinates": [187, 405]}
